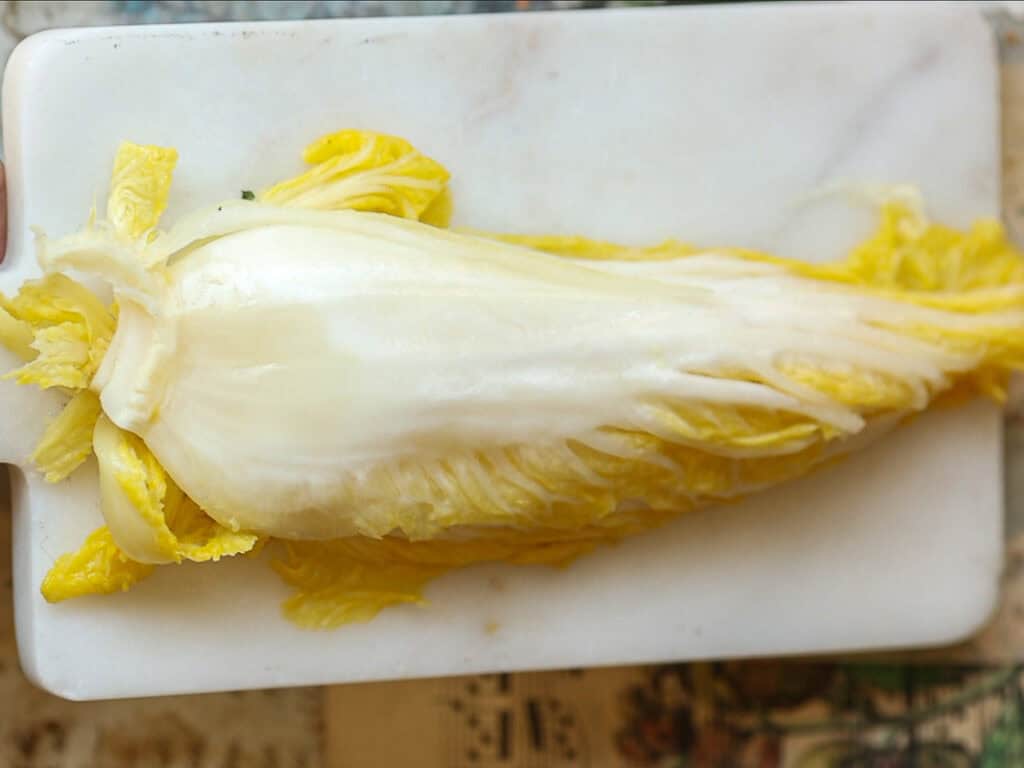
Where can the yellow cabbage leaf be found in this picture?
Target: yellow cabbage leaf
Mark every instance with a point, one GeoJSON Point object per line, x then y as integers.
{"type": "Point", "coordinates": [15, 334]}
{"type": "Point", "coordinates": [98, 567]}
{"type": "Point", "coordinates": [151, 520]}
{"type": "Point", "coordinates": [67, 441]}
{"type": "Point", "coordinates": [365, 171]}
{"type": "Point", "coordinates": [576, 247]}
{"type": "Point", "coordinates": [353, 579]}
{"type": "Point", "coordinates": [139, 187]}
{"type": "Point", "coordinates": [71, 331]}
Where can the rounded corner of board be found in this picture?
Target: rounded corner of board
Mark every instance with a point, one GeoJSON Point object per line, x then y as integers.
{"type": "Point", "coordinates": [974, 617]}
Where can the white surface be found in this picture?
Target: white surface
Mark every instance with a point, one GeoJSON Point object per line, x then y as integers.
{"type": "Point", "coordinates": [708, 124]}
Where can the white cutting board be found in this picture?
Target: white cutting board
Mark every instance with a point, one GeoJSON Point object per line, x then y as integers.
{"type": "Point", "coordinates": [708, 124]}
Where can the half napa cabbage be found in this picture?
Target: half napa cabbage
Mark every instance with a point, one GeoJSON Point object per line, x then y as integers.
{"type": "Point", "coordinates": [326, 365]}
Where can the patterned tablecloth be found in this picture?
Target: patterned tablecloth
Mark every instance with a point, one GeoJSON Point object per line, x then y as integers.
{"type": "Point", "coordinates": [960, 706]}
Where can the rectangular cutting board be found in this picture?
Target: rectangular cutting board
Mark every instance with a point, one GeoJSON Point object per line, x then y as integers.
{"type": "Point", "coordinates": [710, 124]}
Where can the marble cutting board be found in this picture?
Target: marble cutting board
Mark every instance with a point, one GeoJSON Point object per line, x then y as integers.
{"type": "Point", "coordinates": [712, 124]}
